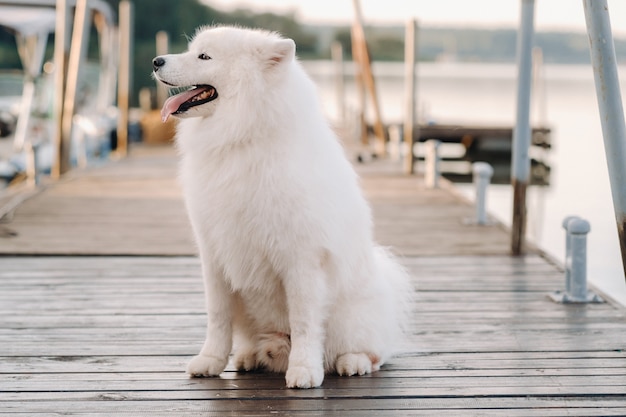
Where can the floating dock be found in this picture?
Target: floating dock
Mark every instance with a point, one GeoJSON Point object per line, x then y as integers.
{"type": "Point", "coordinates": [463, 144]}
{"type": "Point", "coordinates": [101, 306]}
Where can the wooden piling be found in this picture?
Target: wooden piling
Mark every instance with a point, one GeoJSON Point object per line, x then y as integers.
{"type": "Point", "coordinates": [518, 231]}
{"type": "Point", "coordinates": [61, 163]}
{"type": "Point", "coordinates": [360, 88]}
{"type": "Point", "coordinates": [359, 44]}
{"type": "Point", "coordinates": [78, 51]}
{"type": "Point", "coordinates": [162, 48]}
{"type": "Point", "coordinates": [410, 60]}
{"type": "Point", "coordinates": [124, 75]}
{"type": "Point", "coordinates": [336, 52]}
{"type": "Point", "coordinates": [107, 80]}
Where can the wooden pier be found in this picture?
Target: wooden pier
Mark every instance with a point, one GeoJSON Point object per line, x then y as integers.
{"type": "Point", "coordinates": [101, 307]}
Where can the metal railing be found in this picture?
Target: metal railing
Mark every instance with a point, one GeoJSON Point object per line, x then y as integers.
{"type": "Point", "coordinates": [610, 105]}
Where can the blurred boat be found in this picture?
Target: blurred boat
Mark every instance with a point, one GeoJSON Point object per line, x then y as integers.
{"type": "Point", "coordinates": [29, 117]}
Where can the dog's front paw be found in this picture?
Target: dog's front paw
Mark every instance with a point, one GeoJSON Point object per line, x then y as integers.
{"type": "Point", "coordinates": [356, 364]}
{"type": "Point", "coordinates": [304, 377]}
{"type": "Point", "coordinates": [202, 365]}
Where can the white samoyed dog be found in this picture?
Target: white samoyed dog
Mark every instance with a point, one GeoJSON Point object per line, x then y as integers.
{"type": "Point", "coordinates": [293, 280]}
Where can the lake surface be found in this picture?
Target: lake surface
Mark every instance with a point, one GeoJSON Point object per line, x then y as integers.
{"type": "Point", "coordinates": [564, 99]}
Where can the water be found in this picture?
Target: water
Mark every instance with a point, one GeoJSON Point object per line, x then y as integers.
{"type": "Point", "coordinates": [479, 93]}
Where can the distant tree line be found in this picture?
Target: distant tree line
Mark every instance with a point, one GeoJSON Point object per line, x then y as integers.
{"type": "Point", "coordinates": [181, 18]}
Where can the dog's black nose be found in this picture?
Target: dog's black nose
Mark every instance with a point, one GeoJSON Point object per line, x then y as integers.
{"type": "Point", "coordinates": [157, 63]}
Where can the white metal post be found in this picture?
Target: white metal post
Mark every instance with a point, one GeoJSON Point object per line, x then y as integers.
{"type": "Point", "coordinates": [568, 251]}
{"type": "Point", "coordinates": [576, 230]}
{"type": "Point", "coordinates": [520, 169]}
{"type": "Point", "coordinates": [482, 178]}
{"type": "Point", "coordinates": [610, 106]}
{"type": "Point", "coordinates": [431, 163]}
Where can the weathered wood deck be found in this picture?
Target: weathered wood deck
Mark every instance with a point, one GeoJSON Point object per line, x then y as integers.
{"type": "Point", "coordinates": [101, 306]}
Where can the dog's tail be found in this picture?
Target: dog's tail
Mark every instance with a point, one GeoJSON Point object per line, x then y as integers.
{"type": "Point", "coordinates": [401, 295]}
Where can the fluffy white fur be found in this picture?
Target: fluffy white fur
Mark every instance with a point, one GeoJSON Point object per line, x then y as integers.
{"type": "Point", "coordinates": [292, 276]}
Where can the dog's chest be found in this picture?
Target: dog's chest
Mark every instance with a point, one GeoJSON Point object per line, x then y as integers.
{"type": "Point", "coordinates": [241, 223]}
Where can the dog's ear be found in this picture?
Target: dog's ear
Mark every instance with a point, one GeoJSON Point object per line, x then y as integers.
{"type": "Point", "coordinates": [281, 51]}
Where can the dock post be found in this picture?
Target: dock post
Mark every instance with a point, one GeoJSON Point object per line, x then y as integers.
{"type": "Point", "coordinates": [61, 163]}
{"type": "Point", "coordinates": [610, 105]}
{"type": "Point", "coordinates": [124, 77]}
{"type": "Point", "coordinates": [336, 53]}
{"type": "Point", "coordinates": [482, 178]}
{"type": "Point", "coordinates": [361, 52]}
{"type": "Point", "coordinates": [431, 163]}
{"type": "Point", "coordinates": [107, 79]}
{"type": "Point", "coordinates": [78, 53]}
{"type": "Point", "coordinates": [359, 79]}
{"type": "Point", "coordinates": [576, 230]}
{"type": "Point", "coordinates": [410, 60]}
{"type": "Point", "coordinates": [396, 149]}
{"type": "Point", "coordinates": [162, 48]}
{"type": "Point", "coordinates": [568, 252]}
{"type": "Point", "coordinates": [31, 49]}
{"type": "Point", "coordinates": [520, 170]}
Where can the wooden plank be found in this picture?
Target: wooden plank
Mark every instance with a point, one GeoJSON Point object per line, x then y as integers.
{"type": "Point", "coordinates": [227, 391]}
{"type": "Point", "coordinates": [516, 362]}
{"type": "Point", "coordinates": [179, 382]}
{"type": "Point", "coordinates": [381, 413]}
{"type": "Point", "coordinates": [113, 405]}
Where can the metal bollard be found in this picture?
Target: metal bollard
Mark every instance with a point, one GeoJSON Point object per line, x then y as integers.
{"type": "Point", "coordinates": [431, 159]}
{"type": "Point", "coordinates": [576, 264]}
{"type": "Point", "coordinates": [482, 178]}
{"type": "Point", "coordinates": [568, 251]}
{"type": "Point", "coordinates": [395, 143]}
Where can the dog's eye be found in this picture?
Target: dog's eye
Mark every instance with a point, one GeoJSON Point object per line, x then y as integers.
{"type": "Point", "coordinates": [204, 57]}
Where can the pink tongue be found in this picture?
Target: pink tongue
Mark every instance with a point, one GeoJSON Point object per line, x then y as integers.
{"type": "Point", "coordinates": [173, 103]}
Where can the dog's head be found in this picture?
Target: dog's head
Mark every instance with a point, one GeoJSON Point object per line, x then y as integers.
{"type": "Point", "coordinates": [221, 63]}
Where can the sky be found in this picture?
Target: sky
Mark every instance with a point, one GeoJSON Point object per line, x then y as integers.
{"type": "Point", "coordinates": [561, 15]}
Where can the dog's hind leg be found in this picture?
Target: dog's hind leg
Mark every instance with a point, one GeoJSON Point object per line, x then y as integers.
{"type": "Point", "coordinates": [350, 364]}
{"type": "Point", "coordinates": [272, 351]}
{"type": "Point", "coordinates": [244, 339]}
